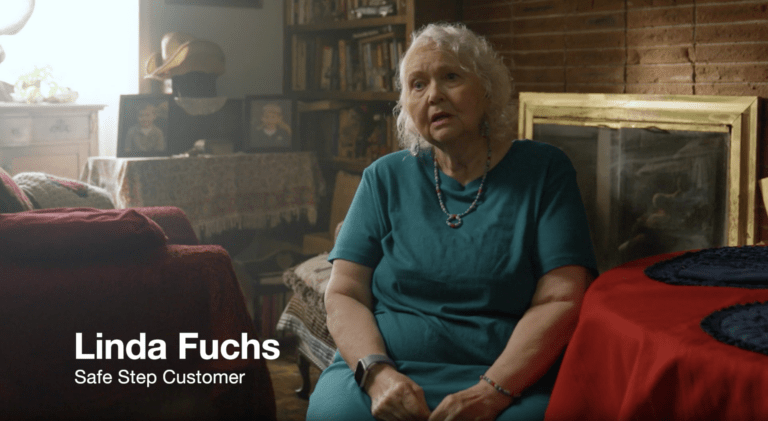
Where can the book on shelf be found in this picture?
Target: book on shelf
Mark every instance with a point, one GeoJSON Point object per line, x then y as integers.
{"type": "Point", "coordinates": [382, 67]}
{"type": "Point", "coordinates": [335, 70]}
{"type": "Point", "coordinates": [376, 62]}
{"type": "Point", "coordinates": [400, 49]}
{"type": "Point", "coordinates": [343, 64]}
{"type": "Point", "coordinates": [299, 63]}
{"type": "Point", "coordinates": [355, 76]}
{"type": "Point", "coordinates": [394, 62]}
{"type": "Point", "coordinates": [295, 60]}
{"type": "Point", "coordinates": [373, 32]}
{"type": "Point", "coordinates": [376, 37]}
{"type": "Point", "coordinates": [326, 67]}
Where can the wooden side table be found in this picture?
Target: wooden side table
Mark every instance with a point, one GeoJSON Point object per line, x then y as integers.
{"type": "Point", "coordinates": [51, 138]}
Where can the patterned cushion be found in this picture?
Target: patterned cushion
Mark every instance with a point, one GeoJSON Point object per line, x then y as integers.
{"type": "Point", "coordinates": [12, 198]}
{"type": "Point", "coordinates": [309, 279]}
{"type": "Point", "coordinates": [47, 191]}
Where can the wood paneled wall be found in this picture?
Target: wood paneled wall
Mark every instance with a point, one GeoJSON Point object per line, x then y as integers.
{"type": "Point", "coordinates": [692, 47]}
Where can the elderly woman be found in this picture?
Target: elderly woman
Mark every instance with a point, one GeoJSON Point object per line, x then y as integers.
{"type": "Point", "coordinates": [460, 269]}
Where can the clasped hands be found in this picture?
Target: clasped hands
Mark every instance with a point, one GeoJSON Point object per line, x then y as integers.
{"type": "Point", "coordinates": [395, 397]}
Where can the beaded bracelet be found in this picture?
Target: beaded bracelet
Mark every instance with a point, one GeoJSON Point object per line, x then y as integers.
{"type": "Point", "coordinates": [500, 389]}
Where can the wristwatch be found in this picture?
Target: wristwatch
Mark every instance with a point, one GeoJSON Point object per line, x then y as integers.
{"type": "Point", "coordinates": [365, 364]}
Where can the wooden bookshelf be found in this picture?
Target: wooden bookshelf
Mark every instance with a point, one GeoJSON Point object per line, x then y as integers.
{"type": "Point", "coordinates": [333, 57]}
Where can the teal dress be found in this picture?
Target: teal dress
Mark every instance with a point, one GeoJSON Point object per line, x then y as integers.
{"type": "Point", "coordinates": [446, 300]}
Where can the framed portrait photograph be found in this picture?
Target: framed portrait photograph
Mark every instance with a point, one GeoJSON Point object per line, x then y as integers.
{"type": "Point", "coordinates": [269, 123]}
{"type": "Point", "coordinates": [143, 126]}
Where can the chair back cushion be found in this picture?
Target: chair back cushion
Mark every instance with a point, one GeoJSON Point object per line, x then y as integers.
{"type": "Point", "coordinates": [50, 191]}
{"type": "Point", "coordinates": [343, 192]}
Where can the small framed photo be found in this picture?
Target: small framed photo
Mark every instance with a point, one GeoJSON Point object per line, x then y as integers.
{"type": "Point", "coordinates": [143, 125]}
{"type": "Point", "coordinates": [269, 123]}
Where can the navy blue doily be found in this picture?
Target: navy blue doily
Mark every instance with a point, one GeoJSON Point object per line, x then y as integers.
{"type": "Point", "coordinates": [742, 325]}
{"type": "Point", "coordinates": [743, 267]}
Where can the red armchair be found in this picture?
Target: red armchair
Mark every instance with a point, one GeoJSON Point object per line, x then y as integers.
{"type": "Point", "coordinates": [73, 279]}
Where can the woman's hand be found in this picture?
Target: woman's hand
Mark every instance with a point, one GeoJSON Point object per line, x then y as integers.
{"type": "Point", "coordinates": [480, 402]}
{"type": "Point", "coordinates": [394, 396]}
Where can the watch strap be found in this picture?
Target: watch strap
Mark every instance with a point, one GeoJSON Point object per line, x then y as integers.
{"type": "Point", "coordinates": [365, 364]}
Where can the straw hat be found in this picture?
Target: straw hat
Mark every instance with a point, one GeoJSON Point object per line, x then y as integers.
{"type": "Point", "coordinates": [182, 54]}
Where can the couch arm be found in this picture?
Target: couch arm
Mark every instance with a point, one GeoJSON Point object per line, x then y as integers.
{"type": "Point", "coordinates": [174, 223]}
{"type": "Point", "coordinates": [176, 289]}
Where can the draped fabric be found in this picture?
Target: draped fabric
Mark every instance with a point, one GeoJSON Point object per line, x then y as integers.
{"type": "Point", "coordinates": [217, 192]}
{"type": "Point", "coordinates": [305, 313]}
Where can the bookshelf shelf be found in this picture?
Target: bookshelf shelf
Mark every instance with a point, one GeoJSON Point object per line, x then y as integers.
{"type": "Point", "coordinates": [340, 25]}
{"type": "Point", "coordinates": [347, 95]}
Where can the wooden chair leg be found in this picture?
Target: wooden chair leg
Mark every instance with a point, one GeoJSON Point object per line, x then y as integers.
{"type": "Point", "coordinates": [303, 364]}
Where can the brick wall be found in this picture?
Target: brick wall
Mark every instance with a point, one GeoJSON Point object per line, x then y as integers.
{"type": "Point", "coordinates": [692, 47]}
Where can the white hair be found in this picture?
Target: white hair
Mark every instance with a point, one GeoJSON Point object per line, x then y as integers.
{"type": "Point", "coordinates": [475, 55]}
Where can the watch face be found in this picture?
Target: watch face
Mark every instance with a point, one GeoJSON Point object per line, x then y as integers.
{"type": "Point", "coordinates": [359, 373]}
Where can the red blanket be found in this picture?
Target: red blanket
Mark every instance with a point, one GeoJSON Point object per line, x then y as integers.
{"type": "Point", "coordinates": [639, 353]}
{"type": "Point", "coordinates": [172, 289]}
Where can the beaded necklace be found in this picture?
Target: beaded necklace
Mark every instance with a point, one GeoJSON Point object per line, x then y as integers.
{"type": "Point", "coordinates": [454, 220]}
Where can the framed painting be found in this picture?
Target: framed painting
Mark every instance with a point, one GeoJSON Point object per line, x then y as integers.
{"type": "Point", "coordinates": [232, 3]}
{"type": "Point", "coordinates": [657, 174]}
{"type": "Point", "coordinates": [143, 125]}
{"type": "Point", "coordinates": [269, 123]}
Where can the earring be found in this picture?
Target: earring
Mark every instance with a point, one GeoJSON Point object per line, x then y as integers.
{"type": "Point", "coordinates": [485, 128]}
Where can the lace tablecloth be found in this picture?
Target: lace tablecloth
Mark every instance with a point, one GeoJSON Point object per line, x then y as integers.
{"type": "Point", "coordinates": [217, 192]}
{"type": "Point", "coordinates": [744, 267]}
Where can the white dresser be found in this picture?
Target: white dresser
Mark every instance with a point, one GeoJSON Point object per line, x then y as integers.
{"type": "Point", "coordinates": [51, 138]}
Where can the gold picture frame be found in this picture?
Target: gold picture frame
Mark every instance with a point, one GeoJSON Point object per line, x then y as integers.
{"type": "Point", "coordinates": [730, 118]}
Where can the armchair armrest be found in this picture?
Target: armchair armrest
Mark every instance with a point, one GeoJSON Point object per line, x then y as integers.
{"type": "Point", "coordinates": [176, 289]}
{"type": "Point", "coordinates": [174, 223]}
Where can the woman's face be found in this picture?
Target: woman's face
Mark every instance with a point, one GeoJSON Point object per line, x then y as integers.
{"type": "Point", "coordinates": [445, 102]}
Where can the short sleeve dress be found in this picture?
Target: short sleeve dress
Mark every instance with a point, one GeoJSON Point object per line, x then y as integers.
{"type": "Point", "coordinates": [446, 300]}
